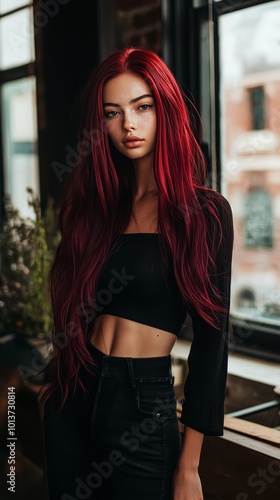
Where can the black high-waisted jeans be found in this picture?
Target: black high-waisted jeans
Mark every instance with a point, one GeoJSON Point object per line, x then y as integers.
{"type": "Point", "coordinates": [122, 441]}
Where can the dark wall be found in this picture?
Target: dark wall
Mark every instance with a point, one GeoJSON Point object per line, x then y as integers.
{"type": "Point", "coordinates": [71, 37]}
{"type": "Point", "coordinates": [139, 23]}
{"type": "Point", "coordinates": [66, 52]}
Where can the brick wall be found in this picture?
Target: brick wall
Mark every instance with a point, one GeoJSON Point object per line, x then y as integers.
{"type": "Point", "coordinates": [255, 166]}
{"type": "Point", "coordinates": [139, 23]}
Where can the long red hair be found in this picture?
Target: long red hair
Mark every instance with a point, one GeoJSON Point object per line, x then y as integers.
{"type": "Point", "coordinates": [97, 204]}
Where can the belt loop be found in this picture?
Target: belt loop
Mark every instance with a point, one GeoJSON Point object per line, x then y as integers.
{"type": "Point", "coordinates": [130, 369]}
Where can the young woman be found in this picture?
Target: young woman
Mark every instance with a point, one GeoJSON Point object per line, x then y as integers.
{"type": "Point", "coordinates": [144, 244]}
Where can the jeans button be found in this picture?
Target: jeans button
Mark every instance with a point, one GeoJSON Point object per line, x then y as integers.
{"type": "Point", "coordinates": [158, 414]}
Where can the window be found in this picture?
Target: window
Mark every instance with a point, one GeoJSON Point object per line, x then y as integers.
{"type": "Point", "coordinates": [20, 140]}
{"type": "Point", "coordinates": [246, 299]}
{"type": "Point", "coordinates": [257, 108]}
{"type": "Point", "coordinates": [258, 220]}
{"type": "Point", "coordinates": [19, 160]}
{"type": "Point", "coordinates": [234, 66]}
{"type": "Point", "coordinates": [17, 40]}
{"type": "Point", "coordinates": [9, 5]}
{"type": "Point", "coordinates": [249, 62]}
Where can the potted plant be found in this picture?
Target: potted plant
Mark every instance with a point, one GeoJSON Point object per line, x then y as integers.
{"type": "Point", "coordinates": [27, 249]}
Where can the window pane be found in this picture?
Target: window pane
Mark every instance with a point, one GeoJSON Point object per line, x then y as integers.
{"type": "Point", "coordinates": [17, 39]}
{"type": "Point", "coordinates": [8, 5]}
{"type": "Point", "coordinates": [250, 125]}
{"type": "Point", "coordinates": [20, 141]}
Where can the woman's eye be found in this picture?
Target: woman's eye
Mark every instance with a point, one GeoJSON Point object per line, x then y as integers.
{"type": "Point", "coordinates": [111, 114]}
{"type": "Point", "coordinates": [143, 107]}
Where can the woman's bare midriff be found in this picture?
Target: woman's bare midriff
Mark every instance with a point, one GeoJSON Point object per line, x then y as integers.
{"type": "Point", "coordinates": [117, 336]}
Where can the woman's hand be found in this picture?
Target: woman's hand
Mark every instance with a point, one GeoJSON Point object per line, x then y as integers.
{"type": "Point", "coordinates": [186, 485]}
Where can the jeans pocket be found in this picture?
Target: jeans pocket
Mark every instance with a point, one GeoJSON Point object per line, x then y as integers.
{"type": "Point", "coordinates": [156, 397]}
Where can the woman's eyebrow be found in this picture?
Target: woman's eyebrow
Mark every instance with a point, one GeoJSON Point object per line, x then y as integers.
{"type": "Point", "coordinates": [136, 99]}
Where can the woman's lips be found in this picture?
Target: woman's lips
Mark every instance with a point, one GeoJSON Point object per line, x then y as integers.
{"type": "Point", "coordinates": [133, 142]}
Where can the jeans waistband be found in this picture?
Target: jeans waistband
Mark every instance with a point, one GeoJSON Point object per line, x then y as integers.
{"type": "Point", "coordinates": [135, 368]}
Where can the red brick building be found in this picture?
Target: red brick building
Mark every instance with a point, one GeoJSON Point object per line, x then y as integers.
{"type": "Point", "coordinates": [252, 185]}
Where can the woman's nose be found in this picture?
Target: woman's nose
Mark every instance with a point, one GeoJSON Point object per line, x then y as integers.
{"type": "Point", "coordinates": [128, 123]}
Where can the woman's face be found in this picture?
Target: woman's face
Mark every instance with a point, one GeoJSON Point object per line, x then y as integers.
{"type": "Point", "coordinates": [130, 116]}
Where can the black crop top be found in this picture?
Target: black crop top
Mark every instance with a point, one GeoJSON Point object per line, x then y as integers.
{"type": "Point", "coordinates": [133, 285]}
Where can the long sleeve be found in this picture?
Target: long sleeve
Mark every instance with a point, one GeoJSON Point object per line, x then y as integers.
{"type": "Point", "coordinates": [204, 388]}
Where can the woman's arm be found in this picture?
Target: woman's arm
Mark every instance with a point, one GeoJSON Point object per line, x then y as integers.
{"type": "Point", "coordinates": [191, 448]}
{"type": "Point", "coordinates": [186, 481]}
{"type": "Point", "coordinates": [204, 389]}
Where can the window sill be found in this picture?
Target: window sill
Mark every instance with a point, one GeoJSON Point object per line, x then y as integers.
{"type": "Point", "coordinates": [238, 364]}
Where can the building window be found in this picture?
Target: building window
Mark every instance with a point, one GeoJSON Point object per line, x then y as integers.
{"type": "Point", "coordinates": [257, 106]}
{"type": "Point", "coordinates": [246, 299]}
{"type": "Point", "coordinates": [18, 103]}
{"type": "Point", "coordinates": [258, 220]}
